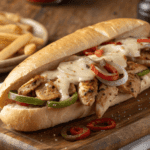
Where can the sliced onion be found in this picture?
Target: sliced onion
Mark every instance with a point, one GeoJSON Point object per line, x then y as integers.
{"type": "Point", "coordinates": [106, 76]}
{"type": "Point", "coordinates": [117, 82]}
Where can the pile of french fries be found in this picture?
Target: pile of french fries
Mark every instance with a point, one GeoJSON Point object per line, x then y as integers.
{"type": "Point", "coordinates": [16, 38]}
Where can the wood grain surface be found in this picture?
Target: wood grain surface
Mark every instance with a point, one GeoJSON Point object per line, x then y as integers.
{"type": "Point", "coordinates": [71, 15]}
{"type": "Point", "coordinates": [132, 116]}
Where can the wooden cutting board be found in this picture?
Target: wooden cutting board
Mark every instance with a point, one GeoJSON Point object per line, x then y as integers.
{"type": "Point", "coordinates": [132, 118]}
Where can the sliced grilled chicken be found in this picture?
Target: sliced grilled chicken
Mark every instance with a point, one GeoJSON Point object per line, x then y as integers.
{"type": "Point", "coordinates": [30, 85]}
{"type": "Point", "coordinates": [132, 86]}
{"type": "Point", "coordinates": [72, 89]}
{"type": "Point", "coordinates": [145, 54]}
{"type": "Point", "coordinates": [87, 91]}
{"type": "Point", "coordinates": [104, 98]}
{"type": "Point", "coordinates": [133, 67]}
{"type": "Point", "coordinates": [49, 91]}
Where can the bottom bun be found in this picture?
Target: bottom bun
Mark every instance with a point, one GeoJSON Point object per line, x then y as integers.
{"type": "Point", "coordinates": [24, 118]}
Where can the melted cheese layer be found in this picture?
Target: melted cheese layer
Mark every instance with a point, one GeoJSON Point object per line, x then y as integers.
{"type": "Point", "coordinates": [70, 72]}
{"type": "Point", "coordinates": [79, 69]}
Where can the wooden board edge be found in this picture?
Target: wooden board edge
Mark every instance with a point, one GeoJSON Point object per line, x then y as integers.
{"type": "Point", "coordinates": [122, 136]}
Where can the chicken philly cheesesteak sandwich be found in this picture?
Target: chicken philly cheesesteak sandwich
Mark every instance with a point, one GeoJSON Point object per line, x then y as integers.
{"type": "Point", "coordinates": [80, 74]}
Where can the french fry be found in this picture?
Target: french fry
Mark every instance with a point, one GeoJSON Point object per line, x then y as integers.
{"type": "Point", "coordinates": [12, 37]}
{"type": "Point", "coordinates": [4, 20]}
{"type": "Point", "coordinates": [11, 28]}
{"type": "Point", "coordinates": [2, 13]}
{"type": "Point", "coordinates": [13, 17]}
{"type": "Point", "coordinates": [15, 46]}
{"type": "Point", "coordinates": [20, 51]}
{"type": "Point", "coordinates": [3, 44]}
{"type": "Point", "coordinates": [25, 27]}
{"type": "Point", "coordinates": [29, 49]}
{"type": "Point", "coordinates": [37, 41]}
{"type": "Point", "coordinates": [8, 36]}
{"type": "Point", "coordinates": [16, 37]}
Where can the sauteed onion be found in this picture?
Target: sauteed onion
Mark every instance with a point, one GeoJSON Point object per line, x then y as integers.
{"type": "Point", "coordinates": [116, 82]}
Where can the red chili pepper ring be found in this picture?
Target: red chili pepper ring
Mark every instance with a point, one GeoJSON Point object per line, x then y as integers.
{"type": "Point", "coordinates": [89, 51]}
{"type": "Point", "coordinates": [77, 132]}
{"type": "Point", "coordinates": [114, 76]}
{"type": "Point", "coordinates": [105, 124]}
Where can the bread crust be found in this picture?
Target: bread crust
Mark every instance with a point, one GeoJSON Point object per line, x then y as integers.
{"type": "Point", "coordinates": [32, 119]}
{"type": "Point", "coordinates": [50, 56]}
{"type": "Point", "coordinates": [23, 118]}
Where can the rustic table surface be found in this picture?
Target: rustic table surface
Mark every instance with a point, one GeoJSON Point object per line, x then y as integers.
{"type": "Point", "coordinates": [61, 20]}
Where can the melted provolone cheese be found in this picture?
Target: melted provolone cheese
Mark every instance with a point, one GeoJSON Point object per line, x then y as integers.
{"type": "Point", "coordinates": [131, 47]}
{"type": "Point", "coordinates": [111, 57]}
{"type": "Point", "coordinates": [70, 72]}
{"type": "Point", "coordinates": [117, 53]}
{"type": "Point", "coordinates": [79, 70]}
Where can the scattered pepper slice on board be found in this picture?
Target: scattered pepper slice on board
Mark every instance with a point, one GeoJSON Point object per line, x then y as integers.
{"type": "Point", "coordinates": [101, 124]}
{"type": "Point", "coordinates": [77, 135]}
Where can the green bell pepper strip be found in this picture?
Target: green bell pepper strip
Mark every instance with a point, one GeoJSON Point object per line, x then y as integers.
{"type": "Point", "coordinates": [143, 72]}
{"type": "Point", "coordinates": [71, 100]}
{"type": "Point", "coordinates": [25, 99]}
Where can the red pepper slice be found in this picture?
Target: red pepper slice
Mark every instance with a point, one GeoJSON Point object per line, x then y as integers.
{"type": "Point", "coordinates": [82, 131]}
{"type": "Point", "coordinates": [93, 49]}
{"type": "Point", "coordinates": [22, 104]}
{"type": "Point", "coordinates": [105, 43]}
{"type": "Point", "coordinates": [89, 51]}
{"type": "Point", "coordinates": [75, 136]}
{"type": "Point", "coordinates": [110, 69]}
{"type": "Point", "coordinates": [117, 43]}
{"type": "Point", "coordinates": [76, 130]}
{"type": "Point", "coordinates": [8, 101]}
{"type": "Point", "coordinates": [107, 123]}
{"type": "Point", "coordinates": [99, 52]}
{"type": "Point", "coordinates": [143, 40]}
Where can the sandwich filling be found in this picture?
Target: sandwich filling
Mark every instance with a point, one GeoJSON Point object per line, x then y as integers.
{"type": "Point", "coordinates": [96, 75]}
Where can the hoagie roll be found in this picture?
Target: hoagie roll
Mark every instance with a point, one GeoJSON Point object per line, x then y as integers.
{"type": "Point", "coordinates": [94, 68]}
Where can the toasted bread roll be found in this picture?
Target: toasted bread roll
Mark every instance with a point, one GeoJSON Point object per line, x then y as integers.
{"type": "Point", "coordinates": [23, 118]}
{"type": "Point", "coordinates": [32, 119]}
